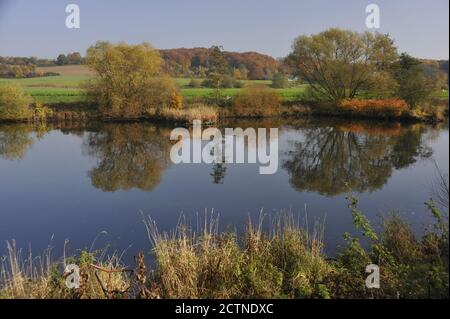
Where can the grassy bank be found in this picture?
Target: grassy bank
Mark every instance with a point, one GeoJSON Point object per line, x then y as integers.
{"type": "Point", "coordinates": [276, 258]}
{"type": "Point", "coordinates": [67, 87]}
{"type": "Point", "coordinates": [66, 96]}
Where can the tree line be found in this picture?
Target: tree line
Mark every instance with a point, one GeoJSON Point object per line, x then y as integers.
{"type": "Point", "coordinates": [197, 61]}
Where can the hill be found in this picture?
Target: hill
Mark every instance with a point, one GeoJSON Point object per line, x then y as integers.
{"type": "Point", "coordinates": [195, 62]}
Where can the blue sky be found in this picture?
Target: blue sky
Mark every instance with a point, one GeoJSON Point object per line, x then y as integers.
{"type": "Point", "coordinates": [37, 28]}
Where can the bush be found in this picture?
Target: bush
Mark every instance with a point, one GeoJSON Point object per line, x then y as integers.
{"type": "Point", "coordinates": [256, 101]}
{"type": "Point", "coordinates": [14, 103]}
{"type": "Point", "coordinates": [41, 112]}
{"type": "Point", "coordinates": [374, 108]}
{"type": "Point", "coordinates": [411, 267]}
{"type": "Point", "coordinates": [129, 80]}
{"type": "Point", "coordinates": [51, 74]}
{"type": "Point", "coordinates": [227, 82]}
{"type": "Point", "coordinates": [195, 83]}
{"type": "Point", "coordinates": [280, 81]}
{"type": "Point", "coordinates": [435, 111]}
{"type": "Point", "coordinates": [239, 84]}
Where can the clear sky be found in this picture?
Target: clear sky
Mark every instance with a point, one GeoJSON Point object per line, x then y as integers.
{"type": "Point", "coordinates": [37, 28]}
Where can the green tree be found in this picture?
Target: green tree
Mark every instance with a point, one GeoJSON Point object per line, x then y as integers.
{"type": "Point", "coordinates": [74, 58]}
{"type": "Point", "coordinates": [339, 64]}
{"type": "Point", "coordinates": [280, 81]}
{"type": "Point", "coordinates": [218, 71]}
{"type": "Point", "coordinates": [62, 59]}
{"type": "Point", "coordinates": [129, 79]}
{"type": "Point", "coordinates": [414, 87]}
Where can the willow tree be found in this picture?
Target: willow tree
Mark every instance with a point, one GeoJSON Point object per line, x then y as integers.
{"type": "Point", "coordinates": [129, 79]}
{"type": "Point", "coordinates": [332, 159]}
{"type": "Point", "coordinates": [339, 64]}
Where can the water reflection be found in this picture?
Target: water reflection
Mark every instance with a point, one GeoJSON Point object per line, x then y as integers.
{"type": "Point", "coordinates": [331, 159]}
{"type": "Point", "coordinates": [15, 140]}
{"type": "Point", "coordinates": [219, 172]}
{"type": "Point", "coordinates": [129, 156]}
{"type": "Point", "coordinates": [319, 156]}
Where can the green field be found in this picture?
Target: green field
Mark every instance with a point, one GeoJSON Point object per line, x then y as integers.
{"type": "Point", "coordinates": [69, 89]}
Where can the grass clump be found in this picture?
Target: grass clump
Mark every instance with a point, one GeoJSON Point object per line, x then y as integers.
{"type": "Point", "coordinates": [42, 278]}
{"type": "Point", "coordinates": [187, 114]}
{"type": "Point", "coordinates": [14, 103]}
{"type": "Point", "coordinates": [207, 264]}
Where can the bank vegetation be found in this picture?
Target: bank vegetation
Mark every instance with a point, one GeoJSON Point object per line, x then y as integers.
{"type": "Point", "coordinates": [342, 73]}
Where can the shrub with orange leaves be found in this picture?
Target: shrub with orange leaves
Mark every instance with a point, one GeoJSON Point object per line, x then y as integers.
{"type": "Point", "coordinates": [256, 101]}
{"type": "Point", "coordinates": [374, 108]}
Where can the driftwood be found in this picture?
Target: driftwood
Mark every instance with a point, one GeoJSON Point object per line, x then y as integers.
{"type": "Point", "coordinates": [137, 276]}
{"type": "Point", "coordinates": [106, 288]}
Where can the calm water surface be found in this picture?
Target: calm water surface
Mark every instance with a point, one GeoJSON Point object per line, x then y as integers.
{"type": "Point", "coordinates": [76, 182]}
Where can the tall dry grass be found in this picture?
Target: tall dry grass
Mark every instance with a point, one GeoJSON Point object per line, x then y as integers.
{"type": "Point", "coordinates": [41, 277]}
{"type": "Point", "coordinates": [390, 108]}
{"type": "Point", "coordinates": [207, 114]}
{"type": "Point", "coordinates": [272, 258]}
{"type": "Point", "coordinates": [285, 261]}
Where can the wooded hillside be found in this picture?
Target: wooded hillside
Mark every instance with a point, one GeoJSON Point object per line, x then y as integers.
{"type": "Point", "coordinates": [195, 62]}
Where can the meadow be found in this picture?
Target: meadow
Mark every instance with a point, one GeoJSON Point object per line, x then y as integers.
{"type": "Point", "coordinates": [68, 86]}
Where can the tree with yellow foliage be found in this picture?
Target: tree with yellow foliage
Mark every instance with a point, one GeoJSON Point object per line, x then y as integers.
{"type": "Point", "coordinates": [129, 80]}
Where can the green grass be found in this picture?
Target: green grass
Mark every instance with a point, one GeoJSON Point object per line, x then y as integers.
{"type": "Point", "coordinates": [54, 89]}
{"type": "Point", "coordinates": [184, 82]}
{"type": "Point", "coordinates": [68, 89]}
{"type": "Point", "coordinates": [66, 81]}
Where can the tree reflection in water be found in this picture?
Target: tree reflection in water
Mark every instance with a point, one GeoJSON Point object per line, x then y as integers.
{"type": "Point", "coordinates": [332, 159]}
{"type": "Point", "coordinates": [15, 140]}
{"type": "Point", "coordinates": [129, 156]}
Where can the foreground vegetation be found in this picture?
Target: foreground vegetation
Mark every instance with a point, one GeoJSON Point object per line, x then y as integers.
{"type": "Point", "coordinates": [278, 260]}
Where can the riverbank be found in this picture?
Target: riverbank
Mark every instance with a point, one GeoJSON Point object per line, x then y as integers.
{"type": "Point", "coordinates": [86, 111]}
{"type": "Point", "coordinates": [65, 99]}
{"type": "Point", "coordinates": [276, 258]}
